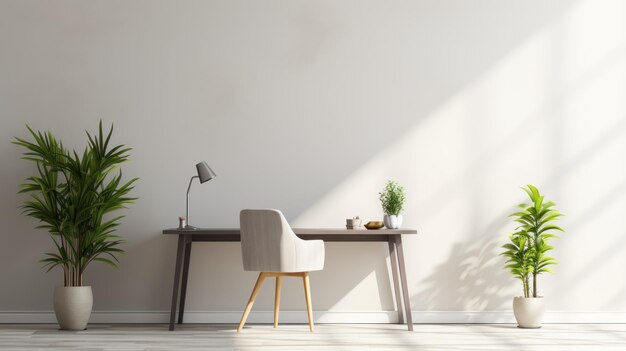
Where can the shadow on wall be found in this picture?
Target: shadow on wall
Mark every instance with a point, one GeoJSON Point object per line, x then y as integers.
{"type": "Point", "coordinates": [473, 275]}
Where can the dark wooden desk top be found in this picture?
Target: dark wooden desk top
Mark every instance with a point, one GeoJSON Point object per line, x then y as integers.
{"type": "Point", "coordinates": [298, 231]}
{"type": "Point", "coordinates": [326, 234]}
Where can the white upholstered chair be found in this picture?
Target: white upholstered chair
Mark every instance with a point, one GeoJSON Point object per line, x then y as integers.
{"type": "Point", "coordinates": [268, 245]}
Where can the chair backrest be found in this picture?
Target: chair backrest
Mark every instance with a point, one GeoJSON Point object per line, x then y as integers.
{"type": "Point", "coordinates": [267, 241]}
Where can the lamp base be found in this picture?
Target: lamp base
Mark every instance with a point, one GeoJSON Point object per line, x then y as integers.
{"type": "Point", "coordinates": [190, 227]}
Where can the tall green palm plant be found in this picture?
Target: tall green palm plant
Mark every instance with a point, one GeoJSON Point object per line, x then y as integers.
{"type": "Point", "coordinates": [527, 251]}
{"type": "Point", "coordinates": [73, 196]}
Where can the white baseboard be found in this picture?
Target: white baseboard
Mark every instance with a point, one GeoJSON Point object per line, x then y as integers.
{"type": "Point", "coordinates": [487, 317]}
{"type": "Point", "coordinates": [425, 317]}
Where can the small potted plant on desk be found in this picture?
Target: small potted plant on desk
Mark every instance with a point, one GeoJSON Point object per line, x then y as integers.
{"type": "Point", "coordinates": [72, 195]}
{"type": "Point", "coordinates": [392, 199]}
{"type": "Point", "coordinates": [527, 257]}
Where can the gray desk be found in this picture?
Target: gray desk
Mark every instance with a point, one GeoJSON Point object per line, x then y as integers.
{"type": "Point", "coordinates": [391, 236]}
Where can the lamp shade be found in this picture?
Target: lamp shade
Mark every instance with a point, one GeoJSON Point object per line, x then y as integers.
{"type": "Point", "coordinates": [205, 173]}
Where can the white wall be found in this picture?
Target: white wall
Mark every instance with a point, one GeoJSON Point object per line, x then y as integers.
{"type": "Point", "coordinates": [309, 106]}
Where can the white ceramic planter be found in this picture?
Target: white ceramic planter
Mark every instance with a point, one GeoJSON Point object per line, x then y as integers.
{"type": "Point", "coordinates": [72, 306]}
{"type": "Point", "coordinates": [393, 221]}
{"type": "Point", "coordinates": [528, 311]}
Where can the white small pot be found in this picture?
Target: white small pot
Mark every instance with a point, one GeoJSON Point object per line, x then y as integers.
{"type": "Point", "coordinates": [393, 221]}
{"type": "Point", "coordinates": [528, 311]}
{"type": "Point", "coordinates": [72, 306]}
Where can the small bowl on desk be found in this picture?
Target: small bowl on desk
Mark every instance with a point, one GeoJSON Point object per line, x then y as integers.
{"type": "Point", "coordinates": [374, 225]}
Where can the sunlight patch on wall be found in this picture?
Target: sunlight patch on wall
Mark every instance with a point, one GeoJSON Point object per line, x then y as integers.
{"type": "Point", "coordinates": [551, 113]}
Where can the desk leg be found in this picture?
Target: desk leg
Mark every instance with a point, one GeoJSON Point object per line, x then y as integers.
{"type": "Point", "coordinates": [405, 287]}
{"type": "Point", "coordinates": [183, 288]}
{"type": "Point", "coordinates": [396, 279]}
{"type": "Point", "coordinates": [179, 261]}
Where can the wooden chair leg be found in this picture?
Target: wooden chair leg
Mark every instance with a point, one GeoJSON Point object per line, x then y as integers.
{"type": "Point", "coordinates": [277, 300]}
{"type": "Point", "coordinates": [255, 292]}
{"type": "Point", "coordinates": [307, 295]}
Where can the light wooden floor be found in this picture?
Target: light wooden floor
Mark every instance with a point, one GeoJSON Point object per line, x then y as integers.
{"type": "Point", "coordinates": [597, 337]}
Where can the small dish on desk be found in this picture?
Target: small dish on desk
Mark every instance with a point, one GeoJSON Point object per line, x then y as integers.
{"type": "Point", "coordinates": [374, 225]}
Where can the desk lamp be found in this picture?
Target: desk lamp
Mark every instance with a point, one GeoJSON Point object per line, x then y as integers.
{"type": "Point", "coordinates": [205, 173]}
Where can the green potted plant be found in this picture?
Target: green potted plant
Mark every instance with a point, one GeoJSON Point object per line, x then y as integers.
{"type": "Point", "coordinates": [392, 200]}
{"type": "Point", "coordinates": [73, 195]}
{"type": "Point", "coordinates": [527, 254]}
